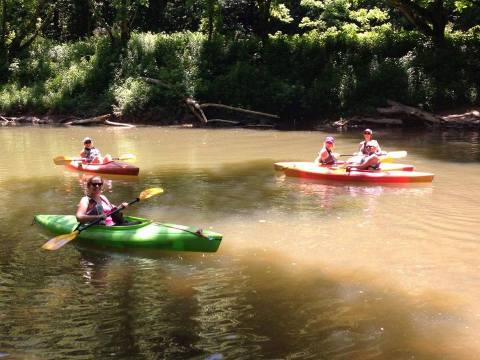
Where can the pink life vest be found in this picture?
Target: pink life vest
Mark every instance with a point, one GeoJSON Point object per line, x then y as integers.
{"type": "Point", "coordinates": [105, 207]}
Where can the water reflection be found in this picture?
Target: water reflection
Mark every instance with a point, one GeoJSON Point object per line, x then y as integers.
{"type": "Point", "coordinates": [450, 145]}
{"type": "Point", "coordinates": [332, 195]}
{"type": "Point", "coordinates": [185, 308]}
{"type": "Point", "coordinates": [72, 178]}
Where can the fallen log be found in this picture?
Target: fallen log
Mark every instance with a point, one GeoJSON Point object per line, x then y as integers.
{"type": "Point", "coordinates": [360, 120]}
{"type": "Point", "coordinates": [197, 109]}
{"type": "Point", "coordinates": [203, 106]}
{"type": "Point", "coordinates": [111, 123]}
{"type": "Point", "coordinates": [410, 113]}
{"type": "Point", "coordinates": [7, 122]}
{"type": "Point", "coordinates": [13, 120]}
{"type": "Point", "coordinates": [102, 119]}
{"type": "Point", "coordinates": [471, 118]}
{"type": "Point", "coordinates": [222, 122]}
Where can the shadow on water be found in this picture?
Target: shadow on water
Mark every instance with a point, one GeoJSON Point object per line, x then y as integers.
{"type": "Point", "coordinates": [101, 305]}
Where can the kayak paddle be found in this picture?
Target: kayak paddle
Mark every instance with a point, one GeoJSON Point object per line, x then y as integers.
{"type": "Point", "coordinates": [392, 155]}
{"type": "Point", "coordinates": [62, 160]}
{"type": "Point", "coordinates": [388, 155]}
{"type": "Point", "coordinates": [58, 241]}
{"type": "Point", "coordinates": [387, 158]}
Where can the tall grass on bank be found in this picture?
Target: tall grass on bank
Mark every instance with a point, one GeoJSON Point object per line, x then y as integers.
{"type": "Point", "coordinates": [310, 76]}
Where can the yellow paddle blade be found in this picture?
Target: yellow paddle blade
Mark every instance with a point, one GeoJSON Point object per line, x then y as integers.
{"type": "Point", "coordinates": [127, 157]}
{"type": "Point", "coordinates": [62, 160]}
{"type": "Point", "coordinates": [397, 154]}
{"type": "Point", "coordinates": [392, 155]}
{"type": "Point", "coordinates": [145, 194]}
{"type": "Point", "coordinates": [58, 241]}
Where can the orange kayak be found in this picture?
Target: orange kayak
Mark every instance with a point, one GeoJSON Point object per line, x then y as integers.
{"type": "Point", "coordinates": [365, 176]}
{"type": "Point", "coordinates": [112, 167]}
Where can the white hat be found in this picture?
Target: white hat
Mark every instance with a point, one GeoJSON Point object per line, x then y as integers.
{"type": "Point", "coordinates": [87, 139]}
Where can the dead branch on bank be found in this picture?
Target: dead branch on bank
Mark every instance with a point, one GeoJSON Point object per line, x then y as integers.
{"type": "Point", "coordinates": [410, 113]}
{"type": "Point", "coordinates": [471, 117]}
{"type": "Point", "coordinates": [398, 114]}
{"type": "Point", "coordinates": [197, 109]}
{"type": "Point", "coordinates": [13, 120]}
{"type": "Point", "coordinates": [6, 122]}
{"type": "Point", "coordinates": [102, 119]}
{"type": "Point", "coordinates": [203, 106]}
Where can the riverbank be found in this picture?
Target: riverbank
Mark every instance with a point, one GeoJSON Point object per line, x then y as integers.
{"type": "Point", "coordinates": [464, 118]}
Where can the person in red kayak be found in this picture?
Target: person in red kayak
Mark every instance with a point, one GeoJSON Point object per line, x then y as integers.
{"type": "Point", "coordinates": [367, 136]}
{"type": "Point", "coordinates": [326, 156]}
{"type": "Point", "coordinates": [369, 161]}
{"type": "Point", "coordinates": [94, 205]}
{"type": "Point", "coordinates": [91, 155]}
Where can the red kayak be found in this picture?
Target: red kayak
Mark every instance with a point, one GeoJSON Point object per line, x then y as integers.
{"type": "Point", "coordinates": [365, 176]}
{"type": "Point", "coordinates": [112, 167]}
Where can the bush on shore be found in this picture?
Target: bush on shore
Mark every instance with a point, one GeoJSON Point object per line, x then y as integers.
{"type": "Point", "coordinates": [303, 77]}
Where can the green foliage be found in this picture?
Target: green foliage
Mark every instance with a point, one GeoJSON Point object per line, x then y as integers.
{"type": "Point", "coordinates": [341, 14]}
{"type": "Point", "coordinates": [314, 75]}
{"type": "Point", "coordinates": [71, 77]}
{"type": "Point", "coordinates": [132, 96]}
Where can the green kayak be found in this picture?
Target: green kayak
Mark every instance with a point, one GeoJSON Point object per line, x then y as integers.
{"type": "Point", "coordinates": [146, 234]}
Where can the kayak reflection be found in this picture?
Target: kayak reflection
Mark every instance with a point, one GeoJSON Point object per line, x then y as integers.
{"type": "Point", "coordinates": [331, 196]}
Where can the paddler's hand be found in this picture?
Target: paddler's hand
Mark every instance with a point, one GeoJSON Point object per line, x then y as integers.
{"type": "Point", "coordinates": [124, 205]}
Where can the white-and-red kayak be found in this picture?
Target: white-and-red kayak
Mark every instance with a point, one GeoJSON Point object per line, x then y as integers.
{"type": "Point", "coordinates": [383, 166]}
{"type": "Point", "coordinates": [312, 171]}
{"type": "Point", "coordinates": [112, 167]}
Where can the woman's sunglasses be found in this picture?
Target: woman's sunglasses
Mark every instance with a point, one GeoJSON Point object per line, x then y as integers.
{"type": "Point", "coordinates": [87, 142]}
{"type": "Point", "coordinates": [96, 184]}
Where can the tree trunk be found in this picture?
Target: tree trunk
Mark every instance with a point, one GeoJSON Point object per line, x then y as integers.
{"type": "Point", "coordinates": [430, 21]}
{"type": "Point", "coordinates": [263, 18]}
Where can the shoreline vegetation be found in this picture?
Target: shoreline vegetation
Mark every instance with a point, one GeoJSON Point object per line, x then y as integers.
{"type": "Point", "coordinates": [397, 115]}
{"type": "Point", "coordinates": [260, 64]}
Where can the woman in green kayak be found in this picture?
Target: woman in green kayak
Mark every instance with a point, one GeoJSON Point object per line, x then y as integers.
{"type": "Point", "coordinates": [94, 205]}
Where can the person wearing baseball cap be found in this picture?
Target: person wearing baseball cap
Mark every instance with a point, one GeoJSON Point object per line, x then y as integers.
{"type": "Point", "coordinates": [367, 136]}
{"type": "Point", "coordinates": [89, 154]}
{"type": "Point", "coordinates": [371, 160]}
{"type": "Point", "coordinates": [326, 156]}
